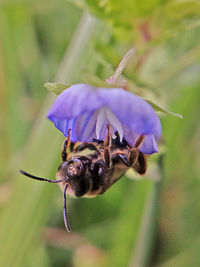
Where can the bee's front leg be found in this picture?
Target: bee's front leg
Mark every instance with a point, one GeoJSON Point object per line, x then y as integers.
{"type": "Point", "coordinates": [132, 156]}
{"type": "Point", "coordinates": [67, 145]}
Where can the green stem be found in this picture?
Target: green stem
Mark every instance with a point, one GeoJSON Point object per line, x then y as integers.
{"type": "Point", "coordinates": [142, 252]}
{"type": "Point", "coordinates": [121, 67]}
{"type": "Point", "coordinates": [143, 246]}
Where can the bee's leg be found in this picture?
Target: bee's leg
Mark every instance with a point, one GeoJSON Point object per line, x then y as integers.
{"type": "Point", "coordinates": [134, 151]}
{"type": "Point", "coordinates": [107, 140]}
{"type": "Point", "coordinates": [71, 146]}
{"type": "Point", "coordinates": [127, 160]}
{"type": "Point", "coordinates": [141, 165]}
{"type": "Point", "coordinates": [107, 157]}
{"type": "Point", "coordinates": [106, 148]}
{"type": "Point", "coordinates": [132, 156]}
{"type": "Point", "coordinates": [138, 142]}
{"type": "Point", "coordinates": [67, 145]}
{"type": "Point", "coordinates": [137, 161]}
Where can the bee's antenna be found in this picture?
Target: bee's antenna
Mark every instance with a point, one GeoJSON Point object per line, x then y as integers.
{"type": "Point", "coordinates": [65, 210]}
{"type": "Point", "coordinates": [52, 181]}
{"type": "Point", "coordinates": [39, 178]}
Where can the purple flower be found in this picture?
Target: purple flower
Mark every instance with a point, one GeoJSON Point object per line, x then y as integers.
{"type": "Point", "coordinates": [87, 110]}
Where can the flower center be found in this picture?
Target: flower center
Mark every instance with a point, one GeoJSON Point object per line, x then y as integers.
{"type": "Point", "coordinates": [104, 117]}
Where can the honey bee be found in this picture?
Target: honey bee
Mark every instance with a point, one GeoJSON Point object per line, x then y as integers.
{"type": "Point", "coordinates": [92, 174]}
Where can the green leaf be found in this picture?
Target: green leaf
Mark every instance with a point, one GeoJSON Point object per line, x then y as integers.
{"type": "Point", "coordinates": [56, 88]}
{"type": "Point", "coordinates": [163, 110]}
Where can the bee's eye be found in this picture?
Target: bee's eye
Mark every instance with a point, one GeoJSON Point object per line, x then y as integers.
{"type": "Point", "coordinates": [75, 168]}
{"type": "Point", "coordinates": [82, 188]}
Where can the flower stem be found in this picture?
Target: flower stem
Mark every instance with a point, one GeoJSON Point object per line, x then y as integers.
{"type": "Point", "coordinates": [121, 67]}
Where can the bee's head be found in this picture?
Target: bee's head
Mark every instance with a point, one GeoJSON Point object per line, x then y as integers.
{"type": "Point", "coordinates": [74, 173]}
{"type": "Point", "coordinates": [72, 170]}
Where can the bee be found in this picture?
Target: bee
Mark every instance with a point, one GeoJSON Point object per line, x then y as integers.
{"type": "Point", "coordinates": [94, 173]}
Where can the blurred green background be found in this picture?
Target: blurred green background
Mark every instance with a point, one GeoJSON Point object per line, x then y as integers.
{"type": "Point", "coordinates": [153, 221]}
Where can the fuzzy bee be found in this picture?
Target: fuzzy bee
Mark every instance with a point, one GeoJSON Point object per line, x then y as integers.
{"type": "Point", "coordinates": [92, 174]}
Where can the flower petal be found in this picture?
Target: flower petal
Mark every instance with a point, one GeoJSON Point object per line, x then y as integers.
{"type": "Point", "coordinates": [101, 119]}
{"type": "Point", "coordinates": [149, 145]}
{"type": "Point", "coordinates": [75, 101]}
{"type": "Point", "coordinates": [113, 120]}
{"type": "Point", "coordinates": [131, 110]}
{"type": "Point", "coordinates": [106, 117]}
{"type": "Point", "coordinates": [87, 110]}
{"type": "Point", "coordinates": [88, 130]}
